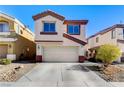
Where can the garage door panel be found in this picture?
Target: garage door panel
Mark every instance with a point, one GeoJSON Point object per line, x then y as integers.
{"type": "Point", "coordinates": [60, 54]}
{"type": "Point", "coordinates": [3, 51]}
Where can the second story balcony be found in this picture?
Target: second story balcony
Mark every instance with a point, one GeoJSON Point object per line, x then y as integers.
{"type": "Point", "coordinates": [5, 33]}
{"type": "Point", "coordinates": [5, 30]}
{"type": "Point", "coordinates": [8, 34]}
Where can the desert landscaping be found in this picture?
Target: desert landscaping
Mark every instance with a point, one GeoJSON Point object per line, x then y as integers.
{"type": "Point", "coordinates": [113, 73]}
{"type": "Point", "coordinates": [12, 72]}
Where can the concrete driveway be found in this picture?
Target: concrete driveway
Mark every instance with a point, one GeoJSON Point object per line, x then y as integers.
{"type": "Point", "coordinates": [61, 75]}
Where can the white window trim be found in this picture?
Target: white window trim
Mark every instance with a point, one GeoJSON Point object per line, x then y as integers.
{"type": "Point", "coordinates": [48, 22]}
{"type": "Point", "coordinates": [113, 34]}
{"type": "Point", "coordinates": [5, 23]}
{"type": "Point", "coordinates": [73, 28]}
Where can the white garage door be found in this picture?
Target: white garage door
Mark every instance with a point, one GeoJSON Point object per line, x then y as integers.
{"type": "Point", "coordinates": [60, 54]}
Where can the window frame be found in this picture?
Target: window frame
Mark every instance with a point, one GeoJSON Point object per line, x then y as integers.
{"type": "Point", "coordinates": [73, 29]}
{"type": "Point", "coordinates": [113, 34]}
{"type": "Point", "coordinates": [49, 31]}
{"type": "Point", "coordinates": [97, 39]}
{"type": "Point", "coordinates": [6, 25]}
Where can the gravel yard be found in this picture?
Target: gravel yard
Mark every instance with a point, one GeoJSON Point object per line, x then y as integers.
{"type": "Point", "coordinates": [114, 74]}
{"type": "Point", "coordinates": [13, 71]}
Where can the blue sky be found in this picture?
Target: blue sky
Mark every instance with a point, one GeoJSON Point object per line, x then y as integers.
{"type": "Point", "coordinates": [99, 17]}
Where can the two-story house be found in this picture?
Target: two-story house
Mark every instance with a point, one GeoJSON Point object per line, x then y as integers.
{"type": "Point", "coordinates": [16, 40]}
{"type": "Point", "coordinates": [111, 35]}
{"type": "Point", "coordinates": [57, 39]}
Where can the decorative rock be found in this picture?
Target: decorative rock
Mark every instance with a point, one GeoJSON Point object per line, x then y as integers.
{"type": "Point", "coordinates": [9, 75]}
{"type": "Point", "coordinates": [12, 72]}
{"type": "Point", "coordinates": [21, 66]}
{"type": "Point", "coordinates": [111, 73]}
{"type": "Point", "coordinates": [18, 68]}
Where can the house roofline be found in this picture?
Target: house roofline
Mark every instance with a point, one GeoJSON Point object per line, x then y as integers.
{"type": "Point", "coordinates": [48, 12]}
{"type": "Point", "coordinates": [47, 41]}
{"type": "Point", "coordinates": [16, 20]}
{"type": "Point", "coordinates": [74, 39]}
{"type": "Point", "coordinates": [54, 14]}
{"type": "Point", "coordinates": [75, 21]}
{"type": "Point", "coordinates": [107, 30]}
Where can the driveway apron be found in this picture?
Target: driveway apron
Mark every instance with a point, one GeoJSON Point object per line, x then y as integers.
{"type": "Point", "coordinates": [61, 75]}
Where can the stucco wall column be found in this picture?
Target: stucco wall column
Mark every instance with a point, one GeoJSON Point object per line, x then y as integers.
{"type": "Point", "coordinates": [81, 54]}
{"type": "Point", "coordinates": [11, 51]}
{"type": "Point", "coordinates": [39, 52]}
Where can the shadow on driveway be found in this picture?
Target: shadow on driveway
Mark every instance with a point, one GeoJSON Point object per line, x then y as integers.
{"type": "Point", "coordinates": [78, 67]}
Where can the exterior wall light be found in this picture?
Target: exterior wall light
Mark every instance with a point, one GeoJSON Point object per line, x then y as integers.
{"type": "Point", "coordinates": [38, 47]}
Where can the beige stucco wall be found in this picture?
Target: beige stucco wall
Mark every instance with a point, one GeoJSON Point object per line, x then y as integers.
{"type": "Point", "coordinates": [25, 33]}
{"type": "Point", "coordinates": [11, 47]}
{"type": "Point", "coordinates": [50, 43]}
{"type": "Point", "coordinates": [60, 29]}
{"type": "Point", "coordinates": [92, 41]}
{"type": "Point", "coordinates": [82, 35]}
{"type": "Point", "coordinates": [121, 46]}
{"type": "Point", "coordinates": [119, 33]}
{"type": "Point", "coordinates": [24, 40]}
{"type": "Point", "coordinates": [106, 38]}
{"type": "Point", "coordinates": [3, 50]}
{"type": "Point", "coordinates": [21, 46]}
{"type": "Point", "coordinates": [9, 21]}
{"type": "Point", "coordinates": [39, 28]}
{"type": "Point", "coordinates": [11, 50]}
{"type": "Point", "coordinates": [68, 42]}
{"type": "Point", "coordinates": [14, 24]}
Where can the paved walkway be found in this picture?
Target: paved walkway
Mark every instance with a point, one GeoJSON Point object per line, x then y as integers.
{"type": "Point", "coordinates": [61, 75]}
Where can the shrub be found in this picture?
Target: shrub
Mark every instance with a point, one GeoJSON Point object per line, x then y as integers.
{"type": "Point", "coordinates": [5, 61]}
{"type": "Point", "coordinates": [108, 53]}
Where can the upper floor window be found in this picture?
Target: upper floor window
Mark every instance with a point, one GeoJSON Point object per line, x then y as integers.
{"type": "Point", "coordinates": [73, 29]}
{"type": "Point", "coordinates": [49, 27]}
{"type": "Point", "coordinates": [97, 39]}
{"type": "Point", "coordinates": [4, 27]}
{"type": "Point", "coordinates": [113, 34]}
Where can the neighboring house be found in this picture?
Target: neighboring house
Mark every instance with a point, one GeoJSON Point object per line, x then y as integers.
{"type": "Point", "coordinates": [112, 35]}
{"type": "Point", "coordinates": [16, 40]}
{"type": "Point", "coordinates": [58, 39]}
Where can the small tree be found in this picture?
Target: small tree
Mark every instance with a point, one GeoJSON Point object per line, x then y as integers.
{"type": "Point", "coordinates": [108, 53]}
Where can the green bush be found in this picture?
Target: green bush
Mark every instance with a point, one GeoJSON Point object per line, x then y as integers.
{"type": "Point", "coordinates": [108, 53]}
{"type": "Point", "coordinates": [5, 61]}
